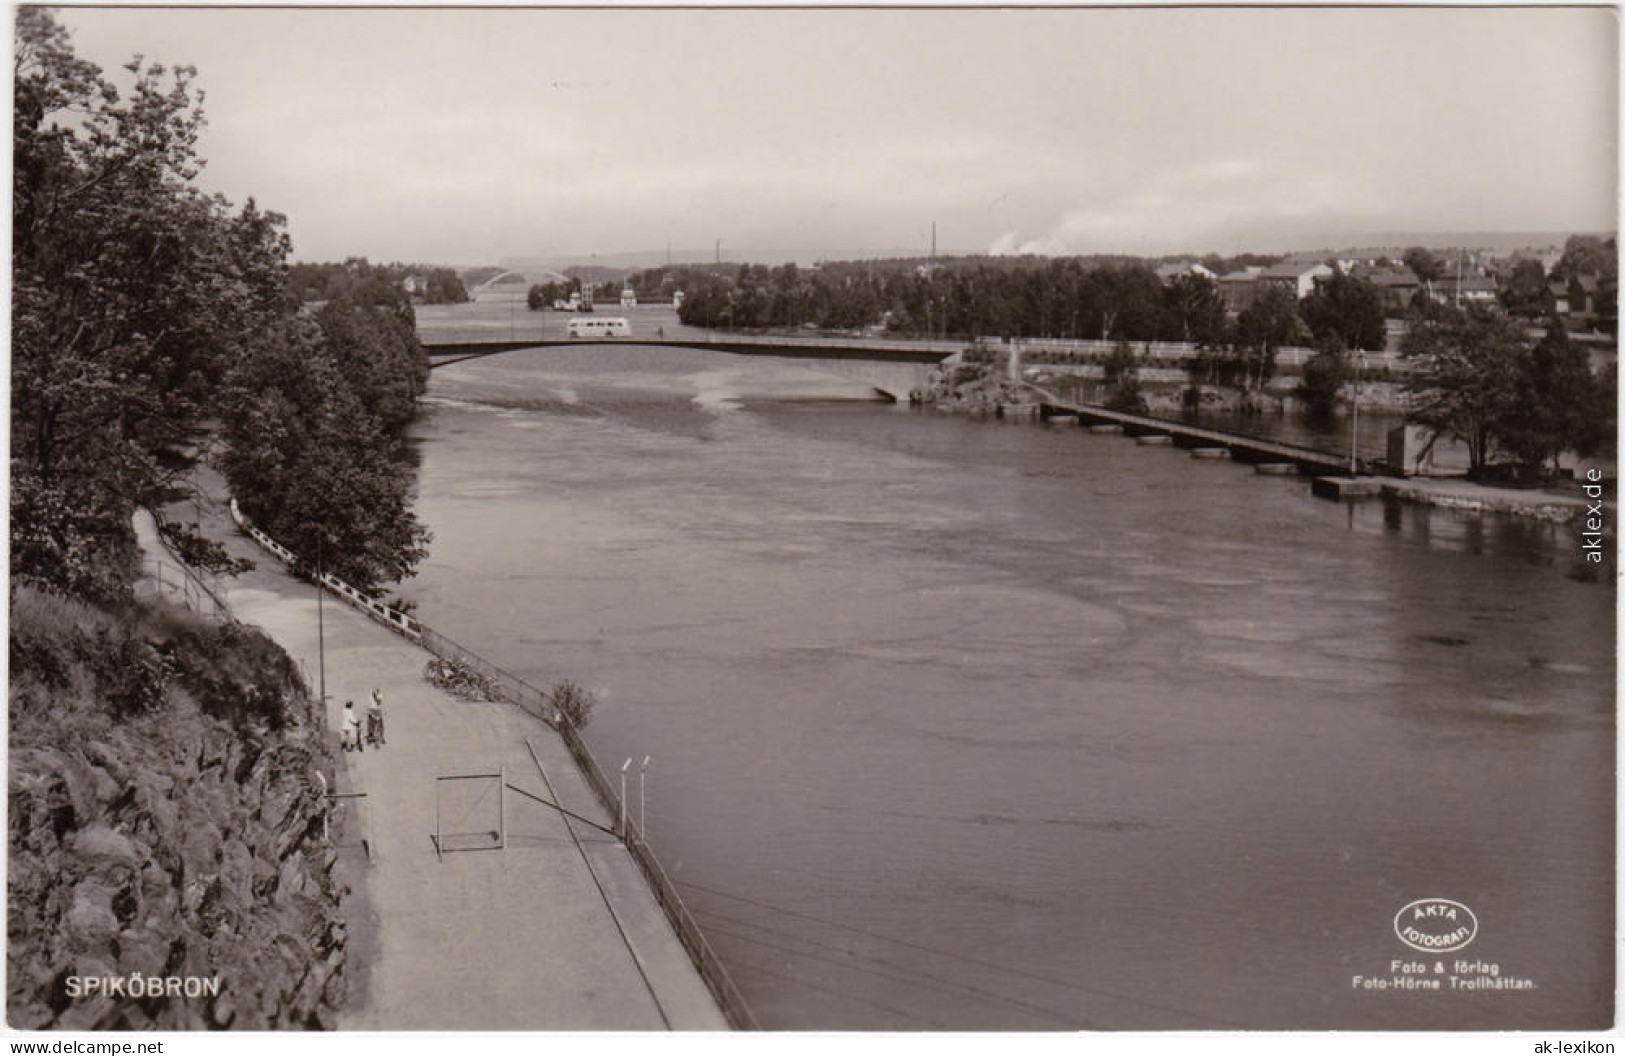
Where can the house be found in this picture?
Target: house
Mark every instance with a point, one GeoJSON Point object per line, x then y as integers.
{"type": "Point", "coordinates": [1238, 288]}
{"type": "Point", "coordinates": [1397, 287]}
{"type": "Point", "coordinates": [1299, 277]}
{"type": "Point", "coordinates": [414, 284]}
{"type": "Point", "coordinates": [1167, 273]}
{"type": "Point", "coordinates": [1576, 298]}
{"type": "Point", "coordinates": [1468, 289]}
{"type": "Point", "coordinates": [1478, 289]}
{"type": "Point", "coordinates": [629, 297]}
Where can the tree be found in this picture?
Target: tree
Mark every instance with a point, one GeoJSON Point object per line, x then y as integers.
{"type": "Point", "coordinates": [444, 287]}
{"type": "Point", "coordinates": [1264, 327]}
{"type": "Point", "coordinates": [1123, 380]}
{"type": "Point", "coordinates": [312, 463]}
{"type": "Point", "coordinates": [370, 330]}
{"type": "Point", "coordinates": [130, 289]}
{"type": "Point", "coordinates": [141, 304]}
{"type": "Point", "coordinates": [1195, 307]}
{"type": "Point", "coordinates": [1424, 265]}
{"type": "Point", "coordinates": [1560, 405]}
{"type": "Point", "coordinates": [1527, 293]}
{"type": "Point", "coordinates": [1348, 308]}
{"type": "Point", "coordinates": [1324, 375]}
{"type": "Point", "coordinates": [1469, 365]}
{"type": "Point", "coordinates": [1121, 300]}
{"type": "Point", "coordinates": [1586, 255]}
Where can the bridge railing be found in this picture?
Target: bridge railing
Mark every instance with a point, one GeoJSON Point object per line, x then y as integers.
{"type": "Point", "coordinates": [443, 341]}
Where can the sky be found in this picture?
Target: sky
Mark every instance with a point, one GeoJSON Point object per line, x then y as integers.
{"type": "Point", "coordinates": [477, 136]}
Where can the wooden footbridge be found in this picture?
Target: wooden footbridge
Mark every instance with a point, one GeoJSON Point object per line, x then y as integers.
{"type": "Point", "coordinates": [1267, 455]}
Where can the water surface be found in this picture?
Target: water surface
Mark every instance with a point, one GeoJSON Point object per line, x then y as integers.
{"type": "Point", "coordinates": [971, 725]}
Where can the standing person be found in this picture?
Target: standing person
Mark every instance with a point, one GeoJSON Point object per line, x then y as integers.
{"type": "Point", "coordinates": [351, 727]}
{"type": "Point", "coordinates": [375, 717]}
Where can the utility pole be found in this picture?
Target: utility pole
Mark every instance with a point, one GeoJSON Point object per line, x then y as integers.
{"type": "Point", "coordinates": [719, 251]}
{"type": "Point", "coordinates": [321, 630]}
{"type": "Point", "coordinates": [933, 241]}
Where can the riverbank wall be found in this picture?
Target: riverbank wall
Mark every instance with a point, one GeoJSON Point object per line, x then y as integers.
{"type": "Point", "coordinates": [535, 702]}
{"type": "Point", "coordinates": [1478, 498]}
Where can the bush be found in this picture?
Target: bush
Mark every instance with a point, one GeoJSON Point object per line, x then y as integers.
{"type": "Point", "coordinates": [574, 702]}
{"type": "Point", "coordinates": [130, 660]}
{"type": "Point", "coordinates": [1324, 375]}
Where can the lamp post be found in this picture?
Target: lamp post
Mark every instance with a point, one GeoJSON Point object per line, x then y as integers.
{"type": "Point", "coordinates": [321, 630]}
{"type": "Point", "coordinates": [624, 767]}
{"type": "Point", "coordinates": [1354, 424]}
{"type": "Point", "coordinates": [643, 826]}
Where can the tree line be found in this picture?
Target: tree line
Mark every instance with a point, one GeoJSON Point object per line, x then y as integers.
{"type": "Point", "coordinates": [1478, 374]}
{"type": "Point", "coordinates": [1101, 298]}
{"type": "Point", "coordinates": [325, 281]}
{"type": "Point", "coordinates": [154, 326]}
{"type": "Point", "coordinates": [1110, 299]}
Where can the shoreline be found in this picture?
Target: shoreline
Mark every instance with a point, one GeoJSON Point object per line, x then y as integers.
{"type": "Point", "coordinates": [1469, 496]}
{"type": "Point", "coordinates": [1011, 401]}
{"type": "Point", "coordinates": [448, 941]}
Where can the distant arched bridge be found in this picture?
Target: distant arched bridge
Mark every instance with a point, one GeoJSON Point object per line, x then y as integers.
{"type": "Point", "coordinates": [893, 368]}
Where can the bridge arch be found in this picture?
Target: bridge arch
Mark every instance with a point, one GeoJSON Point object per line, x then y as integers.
{"type": "Point", "coordinates": [527, 278]}
{"type": "Point", "coordinates": [891, 369]}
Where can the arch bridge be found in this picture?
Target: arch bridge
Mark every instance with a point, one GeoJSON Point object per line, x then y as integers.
{"type": "Point", "coordinates": [892, 368]}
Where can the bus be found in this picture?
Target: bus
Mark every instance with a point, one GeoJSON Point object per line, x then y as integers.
{"type": "Point", "coordinates": [613, 326]}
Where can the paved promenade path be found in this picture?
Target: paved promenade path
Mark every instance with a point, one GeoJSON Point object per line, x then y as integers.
{"type": "Point", "coordinates": [558, 931]}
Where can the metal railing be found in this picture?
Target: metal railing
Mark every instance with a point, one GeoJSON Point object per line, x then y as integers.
{"type": "Point", "coordinates": [394, 619]}
{"type": "Point", "coordinates": [443, 340]}
{"type": "Point", "coordinates": [711, 969]}
{"type": "Point", "coordinates": [170, 579]}
{"type": "Point", "coordinates": [537, 703]}
{"type": "Point", "coordinates": [509, 686]}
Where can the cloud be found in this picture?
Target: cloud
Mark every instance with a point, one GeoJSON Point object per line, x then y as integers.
{"type": "Point", "coordinates": [1193, 206]}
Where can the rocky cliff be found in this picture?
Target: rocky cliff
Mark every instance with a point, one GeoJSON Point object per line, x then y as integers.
{"type": "Point", "coordinates": [167, 868]}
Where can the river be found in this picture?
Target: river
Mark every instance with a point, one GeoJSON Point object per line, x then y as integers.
{"type": "Point", "coordinates": [960, 724]}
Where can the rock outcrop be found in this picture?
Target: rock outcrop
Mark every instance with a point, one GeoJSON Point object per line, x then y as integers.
{"type": "Point", "coordinates": [167, 868]}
